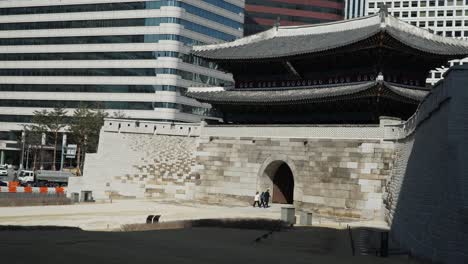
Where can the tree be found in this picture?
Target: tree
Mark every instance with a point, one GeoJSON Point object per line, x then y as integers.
{"type": "Point", "coordinates": [32, 140]}
{"type": "Point", "coordinates": [38, 128]}
{"type": "Point", "coordinates": [119, 114]}
{"type": "Point", "coordinates": [85, 127]}
{"type": "Point", "coordinates": [51, 121]}
{"type": "Point", "coordinates": [56, 123]}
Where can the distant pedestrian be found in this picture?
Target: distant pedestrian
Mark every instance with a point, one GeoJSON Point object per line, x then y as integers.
{"type": "Point", "coordinates": [256, 200]}
{"type": "Point", "coordinates": [266, 198]}
{"type": "Point", "coordinates": [262, 201]}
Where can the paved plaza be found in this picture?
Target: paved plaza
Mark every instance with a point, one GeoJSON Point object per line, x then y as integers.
{"type": "Point", "coordinates": [111, 216]}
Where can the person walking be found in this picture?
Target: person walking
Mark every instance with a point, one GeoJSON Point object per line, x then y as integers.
{"type": "Point", "coordinates": [262, 201]}
{"type": "Point", "coordinates": [257, 200]}
{"type": "Point", "coordinates": [266, 198]}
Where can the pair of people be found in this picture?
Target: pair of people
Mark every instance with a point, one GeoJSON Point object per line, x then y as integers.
{"type": "Point", "coordinates": [262, 199]}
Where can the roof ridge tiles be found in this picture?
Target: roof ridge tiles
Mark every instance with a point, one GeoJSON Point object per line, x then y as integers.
{"type": "Point", "coordinates": [284, 41]}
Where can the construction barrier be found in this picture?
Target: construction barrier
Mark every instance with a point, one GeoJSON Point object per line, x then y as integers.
{"type": "Point", "coordinates": [42, 190]}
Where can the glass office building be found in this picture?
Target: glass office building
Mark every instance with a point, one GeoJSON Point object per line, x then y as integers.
{"type": "Point", "coordinates": [124, 56]}
{"type": "Point", "coordinates": [261, 15]}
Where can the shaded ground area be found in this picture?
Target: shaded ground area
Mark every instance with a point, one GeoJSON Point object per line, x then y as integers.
{"type": "Point", "coordinates": [190, 245]}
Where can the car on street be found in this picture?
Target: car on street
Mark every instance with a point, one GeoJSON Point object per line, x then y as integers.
{"type": "Point", "coordinates": [3, 171]}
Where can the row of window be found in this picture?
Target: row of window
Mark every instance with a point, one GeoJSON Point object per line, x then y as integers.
{"type": "Point", "coordinates": [456, 33]}
{"type": "Point", "coordinates": [439, 13]}
{"type": "Point", "coordinates": [448, 23]}
{"type": "Point", "coordinates": [293, 6]}
{"type": "Point", "coordinates": [90, 88]}
{"type": "Point", "coordinates": [430, 3]}
{"type": "Point", "coordinates": [119, 23]}
{"type": "Point", "coordinates": [8, 135]}
{"type": "Point", "coordinates": [111, 7]}
{"type": "Point", "coordinates": [104, 105]}
{"type": "Point", "coordinates": [134, 22]}
{"type": "Point", "coordinates": [305, 20]}
{"type": "Point", "coordinates": [155, 38]}
{"type": "Point", "coordinates": [191, 76]}
{"type": "Point", "coordinates": [148, 55]}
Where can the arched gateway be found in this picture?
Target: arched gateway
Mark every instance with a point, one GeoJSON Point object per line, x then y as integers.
{"type": "Point", "coordinates": [278, 177]}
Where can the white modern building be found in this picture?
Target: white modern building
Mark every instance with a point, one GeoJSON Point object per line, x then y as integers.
{"type": "Point", "coordinates": [126, 56]}
{"type": "Point", "coordinates": [444, 17]}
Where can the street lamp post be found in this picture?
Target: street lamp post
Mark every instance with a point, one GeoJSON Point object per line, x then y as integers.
{"type": "Point", "coordinates": [23, 139]}
{"type": "Point", "coordinates": [64, 143]}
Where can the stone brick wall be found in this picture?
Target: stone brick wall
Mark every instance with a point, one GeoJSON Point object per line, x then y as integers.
{"type": "Point", "coordinates": [334, 177]}
{"type": "Point", "coordinates": [130, 165]}
{"type": "Point", "coordinates": [427, 201]}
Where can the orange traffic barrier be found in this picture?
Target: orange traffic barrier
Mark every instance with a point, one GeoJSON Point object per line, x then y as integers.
{"type": "Point", "coordinates": [12, 189]}
{"type": "Point", "coordinates": [59, 190]}
{"type": "Point", "coordinates": [28, 189]}
{"type": "Point", "coordinates": [43, 190]}
{"type": "Point", "coordinates": [13, 184]}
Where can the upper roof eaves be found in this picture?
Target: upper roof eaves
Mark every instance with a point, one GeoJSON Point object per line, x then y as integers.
{"type": "Point", "coordinates": [286, 41]}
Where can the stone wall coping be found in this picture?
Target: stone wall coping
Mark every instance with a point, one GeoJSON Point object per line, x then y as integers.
{"type": "Point", "coordinates": [151, 127]}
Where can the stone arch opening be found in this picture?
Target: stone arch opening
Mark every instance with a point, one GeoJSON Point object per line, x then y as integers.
{"type": "Point", "coordinates": [280, 182]}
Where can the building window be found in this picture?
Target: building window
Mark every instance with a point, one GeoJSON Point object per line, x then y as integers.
{"type": "Point", "coordinates": [459, 2]}
{"type": "Point", "coordinates": [449, 2]}
{"type": "Point", "coordinates": [422, 23]}
{"type": "Point", "coordinates": [449, 13]}
{"type": "Point", "coordinates": [440, 33]}
{"type": "Point", "coordinates": [389, 4]}
{"type": "Point", "coordinates": [441, 2]}
{"type": "Point", "coordinates": [437, 75]}
{"type": "Point", "coordinates": [440, 13]}
{"type": "Point", "coordinates": [414, 3]}
{"type": "Point", "coordinates": [466, 23]}
{"type": "Point", "coordinates": [424, 4]}
{"type": "Point", "coordinates": [371, 5]}
{"type": "Point", "coordinates": [448, 23]}
{"type": "Point", "coordinates": [431, 13]}
{"type": "Point", "coordinates": [448, 33]}
{"type": "Point", "coordinates": [466, 33]}
{"type": "Point", "coordinates": [422, 14]}
{"type": "Point", "coordinates": [405, 4]}
{"type": "Point", "coordinates": [430, 23]}
{"type": "Point", "coordinates": [458, 23]}
{"type": "Point", "coordinates": [414, 14]}
{"type": "Point", "coordinates": [397, 14]}
{"type": "Point", "coordinates": [440, 23]}
{"type": "Point", "coordinates": [404, 14]}
{"type": "Point", "coordinates": [397, 4]}
{"type": "Point", "coordinates": [413, 23]}
{"type": "Point", "coordinates": [457, 34]}
{"type": "Point", "coordinates": [459, 13]}
{"type": "Point", "coordinates": [432, 3]}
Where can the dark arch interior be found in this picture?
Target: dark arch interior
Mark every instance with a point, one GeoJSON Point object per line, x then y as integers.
{"type": "Point", "coordinates": [283, 185]}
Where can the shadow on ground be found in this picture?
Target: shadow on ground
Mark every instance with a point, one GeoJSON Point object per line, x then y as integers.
{"type": "Point", "coordinates": [207, 242]}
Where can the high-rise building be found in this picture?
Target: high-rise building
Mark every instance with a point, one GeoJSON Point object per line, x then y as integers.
{"type": "Point", "coordinates": [130, 56]}
{"type": "Point", "coordinates": [261, 15]}
{"type": "Point", "coordinates": [443, 17]}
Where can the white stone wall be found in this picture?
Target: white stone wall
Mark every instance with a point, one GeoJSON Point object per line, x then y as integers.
{"type": "Point", "coordinates": [130, 165]}
{"type": "Point", "coordinates": [333, 177]}
{"type": "Point", "coordinates": [427, 200]}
